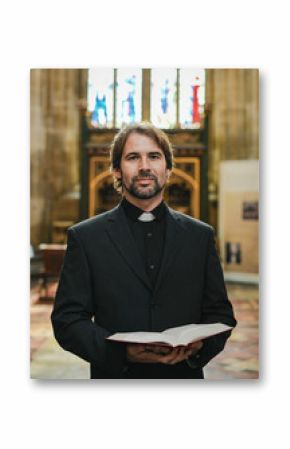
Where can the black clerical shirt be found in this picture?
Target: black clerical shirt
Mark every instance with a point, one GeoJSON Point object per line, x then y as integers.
{"type": "Point", "coordinates": [149, 236]}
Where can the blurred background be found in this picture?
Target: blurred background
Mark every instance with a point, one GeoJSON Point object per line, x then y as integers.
{"type": "Point", "coordinates": [211, 117]}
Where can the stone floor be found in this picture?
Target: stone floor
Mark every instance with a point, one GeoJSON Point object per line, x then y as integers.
{"type": "Point", "coordinates": [239, 360]}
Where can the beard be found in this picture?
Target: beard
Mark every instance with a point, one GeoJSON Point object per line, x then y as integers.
{"type": "Point", "coordinates": [143, 192]}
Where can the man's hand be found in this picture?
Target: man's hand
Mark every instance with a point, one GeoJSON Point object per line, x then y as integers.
{"type": "Point", "coordinates": [196, 346]}
{"type": "Point", "coordinates": [139, 353]}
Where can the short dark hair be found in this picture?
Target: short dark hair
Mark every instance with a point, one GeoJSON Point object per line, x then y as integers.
{"type": "Point", "coordinates": [146, 129]}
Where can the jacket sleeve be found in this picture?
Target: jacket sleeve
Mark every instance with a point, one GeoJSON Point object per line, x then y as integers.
{"type": "Point", "coordinates": [216, 307]}
{"type": "Point", "coordinates": [72, 315]}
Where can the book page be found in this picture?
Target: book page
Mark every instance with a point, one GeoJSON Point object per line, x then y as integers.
{"type": "Point", "coordinates": [142, 337]}
{"type": "Point", "coordinates": [175, 336]}
{"type": "Point", "coordinates": [183, 335]}
{"type": "Point", "coordinates": [176, 332]}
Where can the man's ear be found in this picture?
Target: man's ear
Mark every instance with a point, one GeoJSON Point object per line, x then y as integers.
{"type": "Point", "coordinates": [117, 173]}
{"type": "Point", "coordinates": [168, 173]}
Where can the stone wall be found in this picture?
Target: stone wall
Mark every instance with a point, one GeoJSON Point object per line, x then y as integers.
{"type": "Point", "coordinates": [55, 96]}
{"type": "Point", "coordinates": [233, 103]}
{"type": "Point", "coordinates": [233, 100]}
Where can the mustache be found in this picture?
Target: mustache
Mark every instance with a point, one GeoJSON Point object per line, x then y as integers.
{"type": "Point", "coordinates": [144, 175]}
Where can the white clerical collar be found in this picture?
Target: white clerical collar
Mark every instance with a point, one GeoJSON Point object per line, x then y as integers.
{"type": "Point", "coordinates": [146, 216]}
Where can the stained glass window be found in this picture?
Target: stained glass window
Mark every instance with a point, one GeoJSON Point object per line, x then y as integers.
{"type": "Point", "coordinates": [177, 97]}
{"type": "Point", "coordinates": [100, 97]}
{"type": "Point", "coordinates": [191, 97]}
{"type": "Point", "coordinates": [129, 93]}
{"type": "Point", "coordinates": [163, 97]}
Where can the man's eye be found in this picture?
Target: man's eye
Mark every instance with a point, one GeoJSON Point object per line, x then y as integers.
{"type": "Point", "coordinates": [134, 156]}
{"type": "Point", "coordinates": [155, 156]}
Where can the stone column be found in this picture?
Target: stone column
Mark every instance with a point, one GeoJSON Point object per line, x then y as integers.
{"type": "Point", "coordinates": [233, 102]}
{"type": "Point", "coordinates": [55, 95]}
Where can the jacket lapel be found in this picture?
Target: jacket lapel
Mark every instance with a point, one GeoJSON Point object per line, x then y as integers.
{"type": "Point", "coordinates": [174, 239]}
{"type": "Point", "coordinates": [120, 234]}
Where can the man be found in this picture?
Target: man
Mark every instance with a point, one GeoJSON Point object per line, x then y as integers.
{"type": "Point", "coordinates": [140, 267]}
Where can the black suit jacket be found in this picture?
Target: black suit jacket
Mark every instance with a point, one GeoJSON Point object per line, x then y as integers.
{"type": "Point", "coordinates": [104, 289]}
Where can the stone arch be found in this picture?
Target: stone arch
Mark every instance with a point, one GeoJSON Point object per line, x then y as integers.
{"type": "Point", "coordinates": [93, 183]}
{"type": "Point", "coordinates": [194, 187]}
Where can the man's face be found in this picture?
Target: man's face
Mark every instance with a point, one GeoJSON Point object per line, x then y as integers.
{"type": "Point", "coordinates": [143, 167]}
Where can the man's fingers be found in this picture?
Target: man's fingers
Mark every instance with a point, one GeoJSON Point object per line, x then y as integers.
{"type": "Point", "coordinates": [142, 354]}
{"type": "Point", "coordinates": [197, 345]}
{"type": "Point", "coordinates": [168, 359]}
{"type": "Point", "coordinates": [150, 357]}
{"type": "Point", "coordinates": [138, 353]}
{"type": "Point", "coordinates": [177, 355]}
{"type": "Point", "coordinates": [158, 349]}
{"type": "Point", "coordinates": [183, 354]}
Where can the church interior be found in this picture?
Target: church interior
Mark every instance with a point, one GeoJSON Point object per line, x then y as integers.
{"type": "Point", "coordinates": [211, 117]}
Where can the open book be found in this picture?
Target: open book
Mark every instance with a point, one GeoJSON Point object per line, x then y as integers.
{"type": "Point", "coordinates": [175, 336]}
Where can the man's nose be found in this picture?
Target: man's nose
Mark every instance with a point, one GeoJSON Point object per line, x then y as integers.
{"type": "Point", "coordinates": [144, 164]}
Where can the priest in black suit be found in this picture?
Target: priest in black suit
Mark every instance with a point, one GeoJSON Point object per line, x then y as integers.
{"type": "Point", "coordinates": [140, 267]}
